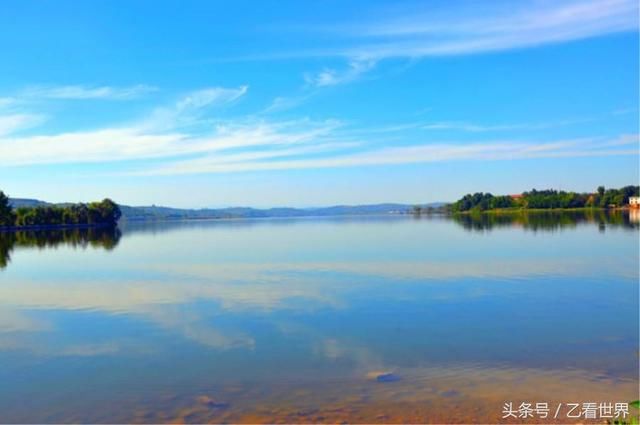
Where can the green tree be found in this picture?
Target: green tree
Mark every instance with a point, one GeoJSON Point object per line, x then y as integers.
{"type": "Point", "coordinates": [547, 199]}
{"type": "Point", "coordinates": [7, 216]}
{"type": "Point", "coordinates": [103, 213]}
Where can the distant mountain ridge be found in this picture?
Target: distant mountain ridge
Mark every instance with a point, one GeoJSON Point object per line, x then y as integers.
{"type": "Point", "coordinates": [147, 213]}
{"type": "Point", "coordinates": [23, 202]}
{"type": "Point", "coordinates": [167, 213]}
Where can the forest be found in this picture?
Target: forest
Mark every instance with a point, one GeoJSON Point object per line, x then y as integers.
{"type": "Point", "coordinates": [547, 199]}
{"type": "Point", "coordinates": [103, 213]}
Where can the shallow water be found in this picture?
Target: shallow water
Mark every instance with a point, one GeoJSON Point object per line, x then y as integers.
{"type": "Point", "coordinates": [294, 320]}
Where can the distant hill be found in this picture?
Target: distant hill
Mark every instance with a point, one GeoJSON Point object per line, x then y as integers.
{"type": "Point", "coordinates": [147, 213]}
{"type": "Point", "coordinates": [166, 213]}
{"type": "Point", "coordinates": [23, 202]}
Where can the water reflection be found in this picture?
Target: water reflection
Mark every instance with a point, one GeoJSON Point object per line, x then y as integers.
{"type": "Point", "coordinates": [103, 237]}
{"type": "Point", "coordinates": [548, 220]}
{"type": "Point", "coordinates": [250, 321]}
{"type": "Point", "coordinates": [108, 238]}
{"type": "Point", "coordinates": [159, 227]}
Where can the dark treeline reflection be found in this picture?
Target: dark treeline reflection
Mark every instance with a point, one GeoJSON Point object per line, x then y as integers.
{"type": "Point", "coordinates": [549, 220]}
{"type": "Point", "coordinates": [104, 237]}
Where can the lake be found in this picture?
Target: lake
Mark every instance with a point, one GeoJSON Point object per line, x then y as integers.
{"type": "Point", "coordinates": [358, 319]}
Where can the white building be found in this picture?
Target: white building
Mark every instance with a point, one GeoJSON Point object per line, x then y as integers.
{"type": "Point", "coordinates": [634, 201]}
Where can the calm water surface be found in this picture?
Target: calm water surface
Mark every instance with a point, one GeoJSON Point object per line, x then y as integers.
{"type": "Point", "coordinates": [318, 320]}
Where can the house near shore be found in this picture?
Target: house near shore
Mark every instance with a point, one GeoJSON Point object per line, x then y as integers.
{"type": "Point", "coordinates": [517, 199]}
{"type": "Point", "coordinates": [634, 201]}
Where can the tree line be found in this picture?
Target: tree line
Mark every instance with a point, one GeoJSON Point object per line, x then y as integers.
{"type": "Point", "coordinates": [547, 199]}
{"type": "Point", "coordinates": [103, 213]}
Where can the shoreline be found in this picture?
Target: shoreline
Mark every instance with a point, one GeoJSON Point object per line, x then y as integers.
{"type": "Point", "coordinates": [540, 210]}
{"type": "Point", "coordinates": [125, 221]}
{"type": "Point", "coordinates": [4, 229]}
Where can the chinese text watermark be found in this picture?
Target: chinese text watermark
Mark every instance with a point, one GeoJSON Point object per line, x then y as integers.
{"type": "Point", "coordinates": [544, 410]}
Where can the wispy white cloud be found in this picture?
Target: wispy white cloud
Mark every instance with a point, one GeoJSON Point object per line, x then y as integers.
{"type": "Point", "coordinates": [518, 25]}
{"type": "Point", "coordinates": [6, 101]}
{"type": "Point", "coordinates": [281, 103]}
{"type": "Point", "coordinates": [168, 132]}
{"type": "Point", "coordinates": [393, 128]}
{"type": "Point", "coordinates": [625, 111]}
{"type": "Point", "coordinates": [462, 126]}
{"type": "Point", "coordinates": [624, 140]}
{"type": "Point", "coordinates": [479, 128]}
{"type": "Point", "coordinates": [15, 122]}
{"type": "Point", "coordinates": [185, 142]}
{"type": "Point", "coordinates": [405, 32]}
{"type": "Point", "coordinates": [219, 160]}
{"type": "Point", "coordinates": [80, 92]}
{"type": "Point", "coordinates": [424, 153]}
{"type": "Point", "coordinates": [315, 82]}
{"type": "Point", "coordinates": [574, 17]}
{"type": "Point", "coordinates": [188, 110]}
{"type": "Point", "coordinates": [402, 31]}
{"type": "Point", "coordinates": [154, 137]}
{"type": "Point", "coordinates": [210, 96]}
{"type": "Point", "coordinates": [332, 77]}
{"type": "Point", "coordinates": [90, 146]}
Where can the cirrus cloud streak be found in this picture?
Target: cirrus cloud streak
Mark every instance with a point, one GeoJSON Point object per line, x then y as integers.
{"type": "Point", "coordinates": [424, 153]}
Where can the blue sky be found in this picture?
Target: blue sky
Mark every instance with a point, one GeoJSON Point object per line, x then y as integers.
{"type": "Point", "coordinates": [198, 104]}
